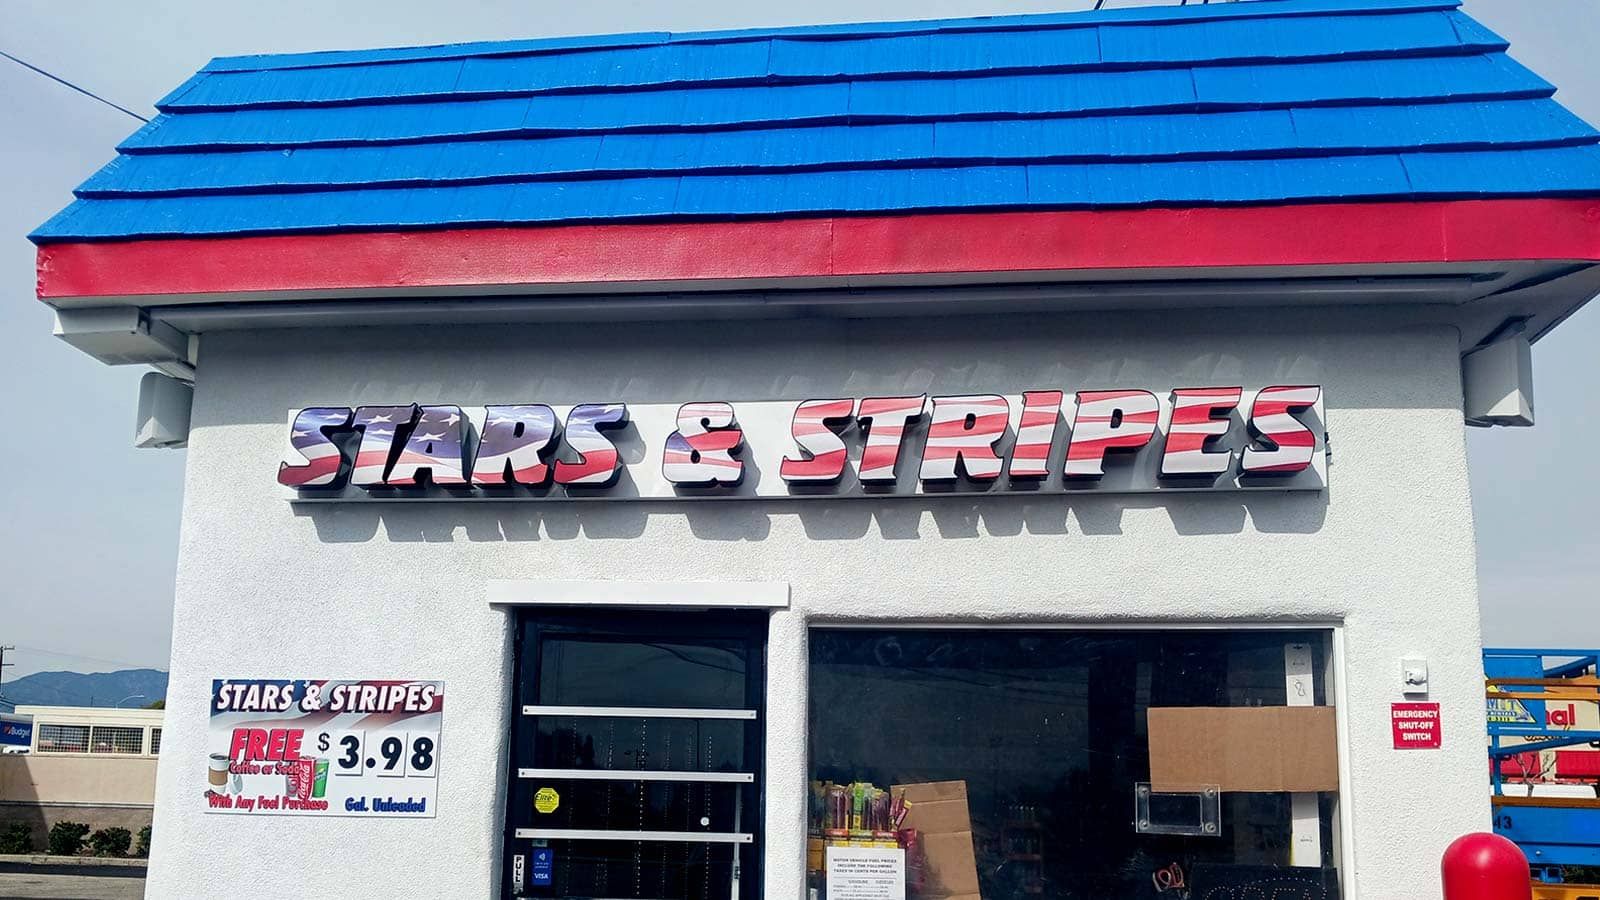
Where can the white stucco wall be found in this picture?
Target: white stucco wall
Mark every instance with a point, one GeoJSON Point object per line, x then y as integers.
{"type": "Point", "coordinates": [266, 589]}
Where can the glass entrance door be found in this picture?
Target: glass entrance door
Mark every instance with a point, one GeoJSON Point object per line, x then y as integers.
{"type": "Point", "coordinates": [636, 756]}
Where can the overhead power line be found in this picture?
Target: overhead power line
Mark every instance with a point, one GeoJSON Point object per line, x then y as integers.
{"type": "Point", "coordinates": [84, 91]}
{"type": "Point", "coordinates": [78, 656]}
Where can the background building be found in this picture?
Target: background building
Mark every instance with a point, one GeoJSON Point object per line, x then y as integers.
{"type": "Point", "coordinates": [91, 765]}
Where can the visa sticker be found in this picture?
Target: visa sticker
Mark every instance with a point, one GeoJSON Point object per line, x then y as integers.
{"type": "Point", "coordinates": [544, 863]}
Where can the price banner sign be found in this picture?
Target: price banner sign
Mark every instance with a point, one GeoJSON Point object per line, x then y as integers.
{"type": "Point", "coordinates": [323, 748]}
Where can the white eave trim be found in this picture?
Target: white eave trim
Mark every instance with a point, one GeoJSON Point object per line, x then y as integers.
{"type": "Point", "coordinates": [641, 594]}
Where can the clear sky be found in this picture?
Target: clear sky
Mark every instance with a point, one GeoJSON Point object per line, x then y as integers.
{"type": "Point", "coordinates": [89, 538]}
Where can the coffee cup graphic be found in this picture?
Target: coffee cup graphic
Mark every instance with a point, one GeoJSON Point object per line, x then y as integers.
{"type": "Point", "coordinates": [217, 772]}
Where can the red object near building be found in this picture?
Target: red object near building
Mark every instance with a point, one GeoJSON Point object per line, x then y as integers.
{"type": "Point", "coordinates": [1522, 766]}
{"type": "Point", "coordinates": [1485, 867]}
{"type": "Point", "coordinates": [1578, 764]}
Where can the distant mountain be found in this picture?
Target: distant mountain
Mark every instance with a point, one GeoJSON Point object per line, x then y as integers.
{"type": "Point", "coordinates": [79, 689]}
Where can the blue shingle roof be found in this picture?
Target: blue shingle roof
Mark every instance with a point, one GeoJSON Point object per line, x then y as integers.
{"type": "Point", "coordinates": [1262, 102]}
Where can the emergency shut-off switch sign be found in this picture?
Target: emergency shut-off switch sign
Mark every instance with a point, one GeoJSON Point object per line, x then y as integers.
{"type": "Point", "coordinates": [1416, 726]}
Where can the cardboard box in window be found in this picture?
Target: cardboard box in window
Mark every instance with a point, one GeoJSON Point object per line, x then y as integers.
{"type": "Point", "coordinates": [938, 812]}
{"type": "Point", "coordinates": [1254, 749]}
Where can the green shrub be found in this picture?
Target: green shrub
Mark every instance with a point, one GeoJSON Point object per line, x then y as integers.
{"type": "Point", "coordinates": [66, 838]}
{"type": "Point", "coordinates": [16, 838]}
{"type": "Point", "coordinates": [143, 847]}
{"type": "Point", "coordinates": [111, 842]}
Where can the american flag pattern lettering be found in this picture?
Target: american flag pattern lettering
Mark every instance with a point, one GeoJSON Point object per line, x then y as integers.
{"type": "Point", "coordinates": [885, 420]}
{"type": "Point", "coordinates": [599, 462]}
{"type": "Point", "coordinates": [509, 454]}
{"type": "Point", "coordinates": [962, 433]}
{"type": "Point", "coordinates": [308, 439]}
{"type": "Point", "coordinates": [378, 425]}
{"type": "Point", "coordinates": [701, 451]}
{"type": "Point", "coordinates": [1290, 444]}
{"type": "Point", "coordinates": [1041, 412]}
{"type": "Point", "coordinates": [1109, 421]}
{"type": "Point", "coordinates": [813, 433]}
{"type": "Point", "coordinates": [1185, 440]}
{"type": "Point", "coordinates": [433, 446]}
{"type": "Point", "coordinates": [1198, 415]}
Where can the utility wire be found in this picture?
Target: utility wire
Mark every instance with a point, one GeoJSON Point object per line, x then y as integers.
{"type": "Point", "coordinates": [84, 91]}
{"type": "Point", "coordinates": [81, 657]}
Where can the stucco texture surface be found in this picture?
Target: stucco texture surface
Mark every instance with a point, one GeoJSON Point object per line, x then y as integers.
{"type": "Point", "coordinates": [267, 588]}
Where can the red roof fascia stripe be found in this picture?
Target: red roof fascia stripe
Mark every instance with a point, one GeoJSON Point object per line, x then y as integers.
{"type": "Point", "coordinates": [941, 244]}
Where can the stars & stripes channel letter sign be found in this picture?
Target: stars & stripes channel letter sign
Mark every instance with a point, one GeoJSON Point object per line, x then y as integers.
{"type": "Point", "coordinates": [1043, 441]}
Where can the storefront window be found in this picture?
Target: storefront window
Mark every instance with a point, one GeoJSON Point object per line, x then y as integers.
{"type": "Point", "coordinates": [1006, 763]}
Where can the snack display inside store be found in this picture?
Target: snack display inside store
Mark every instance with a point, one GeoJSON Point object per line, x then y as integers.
{"type": "Point", "coordinates": [1009, 765]}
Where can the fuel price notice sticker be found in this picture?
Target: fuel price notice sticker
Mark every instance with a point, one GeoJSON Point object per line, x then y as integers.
{"type": "Point", "coordinates": [323, 748]}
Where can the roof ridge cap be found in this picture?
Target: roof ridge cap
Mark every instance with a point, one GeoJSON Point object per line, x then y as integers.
{"type": "Point", "coordinates": [1146, 15]}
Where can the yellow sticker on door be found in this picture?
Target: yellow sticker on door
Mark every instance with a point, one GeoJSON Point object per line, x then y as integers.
{"type": "Point", "coordinates": [546, 800]}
